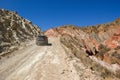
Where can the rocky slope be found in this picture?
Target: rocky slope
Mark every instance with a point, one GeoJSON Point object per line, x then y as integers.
{"type": "Point", "coordinates": [14, 31]}
{"type": "Point", "coordinates": [87, 53]}
{"type": "Point", "coordinates": [98, 47]}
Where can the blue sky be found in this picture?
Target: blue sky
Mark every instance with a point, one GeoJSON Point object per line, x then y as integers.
{"type": "Point", "coordinates": [52, 13]}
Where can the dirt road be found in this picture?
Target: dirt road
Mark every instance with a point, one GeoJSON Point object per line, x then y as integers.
{"type": "Point", "coordinates": [43, 63]}
{"type": "Point", "coordinates": [36, 63]}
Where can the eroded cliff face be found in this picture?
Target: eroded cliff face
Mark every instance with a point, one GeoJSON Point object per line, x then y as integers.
{"type": "Point", "coordinates": [14, 30]}
{"type": "Point", "coordinates": [107, 35]}
{"type": "Point", "coordinates": [94, 45]}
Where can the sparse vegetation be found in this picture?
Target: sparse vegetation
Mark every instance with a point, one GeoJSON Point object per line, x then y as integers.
{"type": "Point", "coordinates": [103, 72]}
{"type": "Point", "coordinates": [116, 55]}
{"type": "Point", "coordinates": [117, 48]}
{"type": "Point", "coordinates": [102, 50]}
{"type": "Point", "coordinates": [12, 30]}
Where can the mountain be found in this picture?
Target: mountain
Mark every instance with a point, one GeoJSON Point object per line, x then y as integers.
{"type": "Point", "coordinates": [98, 47]}
{"type": "Point", "coordinates": [14, 31]}
{"type": "Point", "coordinates": [72, 52]}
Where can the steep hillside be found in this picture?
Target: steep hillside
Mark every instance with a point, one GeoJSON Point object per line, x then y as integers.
{"type": "Point", "coordinates": [74, 53]}
{"type": "Point", "coordinates": [14, 30]}
{"type": "Point", "coordinates": [108, 37]}
{"type": "Point", "coordinates": [98, 47]}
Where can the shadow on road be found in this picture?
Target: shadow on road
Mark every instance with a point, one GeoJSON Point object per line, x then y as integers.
{"type": "Point", "coordinates": [49, 44]}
